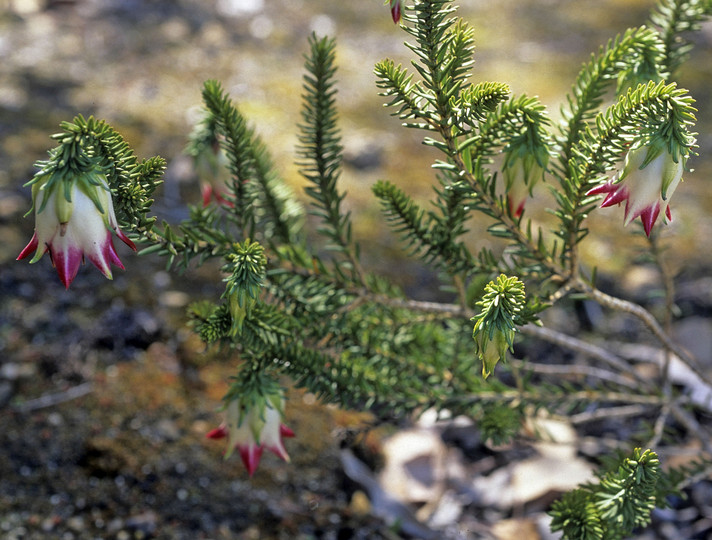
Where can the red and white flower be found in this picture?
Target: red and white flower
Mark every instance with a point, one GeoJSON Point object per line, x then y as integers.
{"type": "Point", "coordinates": [74, 219]}
{"type": "Point", "coordinates": [250, 431]}
{"type": "Point", "coordinates": [648, 180]}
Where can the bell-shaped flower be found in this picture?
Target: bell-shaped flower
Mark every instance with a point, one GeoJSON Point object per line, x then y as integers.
{"type": "Point", "coordinates": [646, 183]}
{"type": "Point", "coordinates": [250, 431]}
{"type": "Point", "coordinates": [521, 173]}
{"type": "Point", "coordinates": [74, 218]}
{"type": "Point", "coordinates": [211, 166]}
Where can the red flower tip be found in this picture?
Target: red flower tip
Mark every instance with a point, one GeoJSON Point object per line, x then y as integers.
{"type": "Point", "coordinates": [648, 217]}
{"type": "Point", "coordinates": [125, 239]}
{"type": "Point", "coordinates": [29, 248]}
{"type": "Point", "coordinates": [615, 197]}
{"type": "Point", "coordinates": [217, 433]}
{"type": "Point", "coordinates": [517, 213]}
{"type": "Point", "coordinates": [67, 263]}
{"type": "Point", "coordinates": [251, 455]}
{"type": "Point", "coordinates": [284, 431]}
{"type": "Point", "coordinates": [396, 11]}
{"type": "Point", "coordinates": [603, 188]}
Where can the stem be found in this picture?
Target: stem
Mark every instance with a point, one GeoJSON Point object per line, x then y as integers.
{"type": "Point", "coordinates": [659, 426]}
{"type": "Point", "coordinates": [583, 395]}
{"type": "Point", "coordinates": [669, 287]}
{"type": "Point", "coordinates": [52, 400]}
{"type": "Point", "coordinates": [576, 370]}
{"type": "Point", "coordinates": [693, 426]}
{"type": "Point", "coordinates": [576, 345]}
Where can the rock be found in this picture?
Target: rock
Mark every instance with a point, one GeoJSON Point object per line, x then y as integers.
{"type": "Point", "coordinates": [414, 469]}
{"type": "Point", "coordinates": [363, 153]}
{"type": "Point", "coordinates": [145, 522]}
{"type": "Point", "coordinates": [695, 335]}
{"type": "Point", "coordinates": [555, 469]}
{"type": "Point", "coordinates": [679, 373]}
{"type": "Point", "coordinates": [12, 371]}
{"type": "Point", "coordinates": [383, 504]}
{"type": "Point", "coordinates": [516, 529]}
{"type": "Point", "coordinates": [638, 281]}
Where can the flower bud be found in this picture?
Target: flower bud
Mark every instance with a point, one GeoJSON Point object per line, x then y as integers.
{"type": "Point", "coordinates": [395, 10]}
{"type": "Point", "coordinates": [521, 174]}
{"type": "Point", "coordinates": [491, 351]}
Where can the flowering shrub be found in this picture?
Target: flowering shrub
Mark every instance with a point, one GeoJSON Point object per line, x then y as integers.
{"type": "Point", "coordinates": [301, 304]}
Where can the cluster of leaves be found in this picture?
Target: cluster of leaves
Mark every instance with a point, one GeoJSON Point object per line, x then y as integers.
{"type": "Point", "coordinates": [503, 307]}
{"type": "Point", "coordinates": [88, 147]}
{"type": "Point", "coordinates": [611, 509]}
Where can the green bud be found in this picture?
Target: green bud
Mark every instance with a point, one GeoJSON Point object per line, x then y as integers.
{"type": "Point", "coordinates": [491, 351]}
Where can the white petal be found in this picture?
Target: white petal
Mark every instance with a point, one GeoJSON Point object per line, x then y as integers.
{"type": "Point", "coordinates": [644, 187]}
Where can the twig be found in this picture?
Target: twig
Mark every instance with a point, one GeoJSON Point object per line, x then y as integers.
{"type": "Point", "coordinates": [659, 427]}
{"type": "Point", "coordinates": [453, 310]}
{"type": "Point", "coordinates": [692, 425]}
{"type": "Point", "coordinates": [574, 369]}
{"type": "Point", "coordinates": [51, 400]}
{"type": "Point", "coordinates": [582, 395]}
{"type": "Point", "coordinates": [608, 412]}
{"type": "Point", "coordinates": [647, 318]}
{"type": "Point", "coordinates": [669, 288]}
{"type": "Point", "coordinates": [587, 349]}
{"type": "Point", "coordinates": [690, 480]}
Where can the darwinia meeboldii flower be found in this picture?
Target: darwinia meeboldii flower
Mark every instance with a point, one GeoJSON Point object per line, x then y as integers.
{"type": "Point", "coordinates": [648, 180]}
{"type": "Point", "coordinates": [251, 430]}
{"type": "Point", "coordinates": [74, 217]}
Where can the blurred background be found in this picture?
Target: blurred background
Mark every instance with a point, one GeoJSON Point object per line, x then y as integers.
{"type": "Point", "coordinates": [121, 451]}
{"type": "Point", "coordinates": [140, 66]}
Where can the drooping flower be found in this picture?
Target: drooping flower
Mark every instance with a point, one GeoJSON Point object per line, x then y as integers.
{"type": "Point", "coordinates": [211, 168]}
{"type": "Point", "coordinates": [74, 218]}
{"type": "Point", "coordinates": [521, 173]}
{"type": "Point", "coordinates": [250, 431]}
{"type": "Point", "coordinates": [649, 177]}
